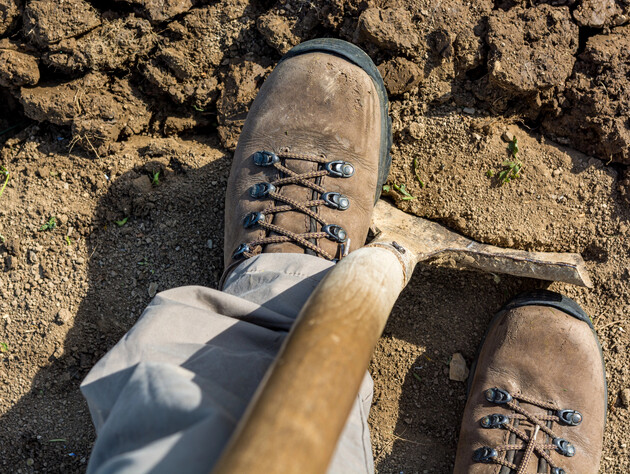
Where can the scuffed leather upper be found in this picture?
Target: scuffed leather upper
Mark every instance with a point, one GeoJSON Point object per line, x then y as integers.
{"type": "Point", "coordinates": [314, 103]}
{"type": "Point", "coordinates": [546, 354]}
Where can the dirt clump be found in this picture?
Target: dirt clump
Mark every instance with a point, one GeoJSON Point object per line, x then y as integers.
{"type": "Point", "coordinates": [17, 69]}
{"type": "Point", "coordinates": [115, 45]}
{"type": "Point", "coordinates": [286, 26]}
{"type": "Point", "coordinates": [389, 29]}
{"type": "Point", "coordinates": [531, 49]}
{"type": "Point", "coordinates": [49, 21]}
{"type": "Point", "coordinates": [400, 75]}
{"type": "Point", "coordinates": [594, 107]}
{"type": "Point", "coordinates": [599, 13]}
{"type": "Point", "coordinates": [240, 87]}
{"type": "Point", "coordinates": [186, 60]}
{"type": "Point", "coordinates": [99, 109]}
{"type": "Point", "coordinates": [10, 11]}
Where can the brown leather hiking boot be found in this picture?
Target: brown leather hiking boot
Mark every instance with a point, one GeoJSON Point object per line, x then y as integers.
{"type": "Point", "coordinates": [537, 396]}
{"type": "Point", "coordinates": [312, 156]}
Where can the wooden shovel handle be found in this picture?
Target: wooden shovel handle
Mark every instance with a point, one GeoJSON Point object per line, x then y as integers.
{"type": "Point", "coordinates": [296, 417]}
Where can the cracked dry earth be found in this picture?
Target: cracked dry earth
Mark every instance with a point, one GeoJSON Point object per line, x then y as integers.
{"type": "Point", "coordinates": [97, 97]}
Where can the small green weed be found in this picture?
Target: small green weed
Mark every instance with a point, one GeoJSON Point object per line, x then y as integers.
{"type": "Point", "coordinates": [68, 241]}
{"type": "Point", "coordinates": [511, 168]}
{"type": "Point", "coordinates": [155, 178]}
{"type": "Point", "coordinates": [122, 221]}
{"type": "Point", "coordinates": [50, 225]}
{"type": "Point", "coordinates": [2, 238]}
{"type": "Point", "coordinates": [415, 172]}
{"type": "Point", "coordinates": [401, 188]}
{"type": "Point", "coordinates": [4, 172]}
{"type": "Point", "coordinates": [4, 347]}
{"type": "Point", "coordinates": [417, 377]}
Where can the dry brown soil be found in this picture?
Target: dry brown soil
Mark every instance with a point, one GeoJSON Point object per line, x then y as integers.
{"type": "Point", "coordinates": [95, 97]}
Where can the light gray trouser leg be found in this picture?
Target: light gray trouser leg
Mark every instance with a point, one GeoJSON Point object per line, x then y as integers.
{"type": "Point", "coordinates": [167, 397]}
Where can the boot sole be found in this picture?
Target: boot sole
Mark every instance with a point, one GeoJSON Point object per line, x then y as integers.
{"type": "Point", "coordinates": [543, 298]}
{"type": "Point", "coordinates": [357, 56]}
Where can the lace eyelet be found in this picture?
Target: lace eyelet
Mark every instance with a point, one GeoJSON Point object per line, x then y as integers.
{"type": "Point", "coordinates": [240, 251]}
{"type": "Point", "coordinates": [265, 158]}
{"type": "Point", "coordinates": [335, 232]}
{"type": "Point", "coordinates": [570, 417]}
{"type": "Point", "coordinates": [498, 396]}
{"type": "Point", "coordinates": [495, 420]}
{"type": "Point", "coordinates": [485, 454]}
{"type": "Point", "coordinates": [252, 219]}
{"type": "Point", "coordinates": [339, 169]}
{"type": "Point", "coordinates": [260, 190]}
{"type": "Point", "coordinates": [564, 447]}
{"type": "Point", "coordinates": [336, 200]}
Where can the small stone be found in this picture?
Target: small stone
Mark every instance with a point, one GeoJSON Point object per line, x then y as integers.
{"type": "Point", "coordinates": [457, 368]}
{"type": "Point", "coordinates": [507, 136]}
{"type": "Point", "coordinates": [468, 110]}
{"type": "Point", "coordinates": [210, 243]}
{"type": "Point", "coordinates": [416, 130]}
{"type": "Point", "coordinates": [476, 136]}
{"type": "Point", "coordinates": [408, 420]}
{"type": "Point", "coordinates": [153, 287]}
{"type": "Point", "coordinates": [624, 395]}
{"type": "Point", "coordinates": [9, 263]}
{"type": "Point", "coordinates": [63, 219]}
{"type": "Point", "coordinates": [32, 257]}
{"type": "Point", "coordinates": [556, 173]}
{"type": "Point", "coordinates": [63, 316]}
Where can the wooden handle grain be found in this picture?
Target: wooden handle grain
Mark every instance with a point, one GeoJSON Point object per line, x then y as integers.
{"type": "Point", "coordinates": [296, 417]}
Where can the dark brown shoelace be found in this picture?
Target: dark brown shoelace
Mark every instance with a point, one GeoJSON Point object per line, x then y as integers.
{"type": "Point", "coordinates": [530, 445]}
{"type": "Point", "coordinates": [271, 190]}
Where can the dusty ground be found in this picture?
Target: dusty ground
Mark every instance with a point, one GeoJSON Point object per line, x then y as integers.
{"type": "Point", "coordinates": [94, 101]}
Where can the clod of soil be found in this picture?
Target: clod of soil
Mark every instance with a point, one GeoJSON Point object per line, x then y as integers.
{"type": "Point", "coordinates": [47, 21]}
{"type": "Point", "coordinates": [599, 13]}
{"type": "Point", "coordinates": [596, 101]}
{"type": "Point", "coordinates": [400, 75]}
{"type": "Point", "coordinates": [18, 69]}
{"type": "Point", "coordinates": [184, 65]}
{"type": "Point", "coordinates": [10, 11]}
{"type": "Point", "coordinates": [240, 87]}
{"type": "Point", "coordinates": [389, 29]}
{"type": "Point", "coordinates": [531, 49]}
{"type": "Point", "coordinates": [99, 109]}
{"type": "Point", "coordinates": [115, 45]}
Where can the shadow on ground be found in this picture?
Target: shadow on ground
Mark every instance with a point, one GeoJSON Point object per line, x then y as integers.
{"type": "Point", "coordinates": [165, 242]}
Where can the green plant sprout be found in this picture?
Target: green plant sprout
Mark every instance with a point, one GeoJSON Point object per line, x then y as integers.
{"type": "Point", "coordinates": [401, 188]}
{"type": "Point", "coordinates": [155, 178]}
{"type": "Point", "coordinates": [122, 221]}
{"type": "Point", "coordinates": [50, 225]}
{"type": "Point", "coordinates": [511, 168]}
{"type": "Point", "coordinates": [415, 172]}
{"type": "Point", "coordinates": [4, 347]}
{"type": "Point", "coordinates": [4, 172]}
{"type": "Point", "coordinates": [68, 241]}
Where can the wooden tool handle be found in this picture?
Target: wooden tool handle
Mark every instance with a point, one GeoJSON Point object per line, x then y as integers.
{"type": "Point", "coordinates": [296, 417]}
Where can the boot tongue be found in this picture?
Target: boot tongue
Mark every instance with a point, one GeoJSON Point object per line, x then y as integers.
{"type": "Point", "coordinates": [294, 221]}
